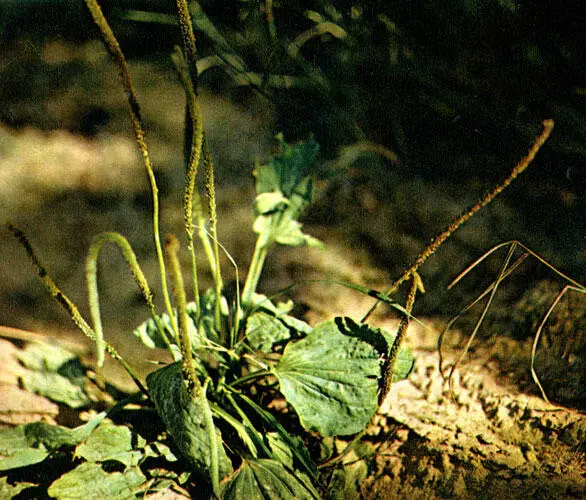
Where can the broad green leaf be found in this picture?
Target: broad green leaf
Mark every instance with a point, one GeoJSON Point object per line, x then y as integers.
{"type": "Point", "coordinates": [21, 458]}
{"type": "Point", "coordinates": [11, 491]}
{"type": "Point", "coordinates": [265, 479]}
{"type": "Point", "coordinates": [184, 419]}
{"type": "Point", "coordinates": [268, 202]}
{"type": "Point", "coordinates": [89, 480]}
{"type": "Point", "coordinates": [55, 373]}
{"type": "Point", "coordinates": [31, 443]}
{"type": "Point", "coordinates": [263, 331]}
{"type": "Point", "coordinates": [331, 377]}
{"type": "Point", "coordinates": [113, 442]}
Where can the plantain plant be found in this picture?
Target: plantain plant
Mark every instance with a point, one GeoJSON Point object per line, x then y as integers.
{"type": "Point", "coordinates": [251, 389]}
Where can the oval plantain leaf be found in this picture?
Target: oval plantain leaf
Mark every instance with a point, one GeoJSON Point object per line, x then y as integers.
{"type": "Point", "coordinates": [184, 419]}
{"type": "Point", "coordinates": [331, 377]}
{"type": "Point", "coordinates": [265, 479]}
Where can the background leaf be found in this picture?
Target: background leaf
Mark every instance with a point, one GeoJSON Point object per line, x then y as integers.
{"type": "Point", "coordinates": [285, 171]}
{"type": "Point", "coordinates": [113, 442]}
{"type": "Point", "coordinates": [283, 191]}
{"type": "Point", "coordinates": [264, 330]}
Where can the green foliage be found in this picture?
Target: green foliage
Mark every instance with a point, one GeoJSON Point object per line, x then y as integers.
{"type": "Point", "coordinates": [233, 362]}
{"type": "Point", "coordinates": [32, 443]}
{"type": "Point", "coordinates": [261, 479]}
{"type": "Point", "coordinates": [331, 377]}
{"type": "Point", "coordinates": [91, 478]}
{"type": "Point", "coordinates": [283, 192]}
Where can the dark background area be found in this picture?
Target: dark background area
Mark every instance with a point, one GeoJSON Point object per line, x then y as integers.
{"type": "Point", "coordinates": [456, 92]}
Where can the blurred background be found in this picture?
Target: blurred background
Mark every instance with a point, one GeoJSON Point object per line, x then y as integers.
{"type": "Point", "coordinates": [419, 109]}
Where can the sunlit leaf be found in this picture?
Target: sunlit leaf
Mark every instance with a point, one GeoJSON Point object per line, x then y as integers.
{"type": "Point", "coordinates": [89, 480]}
{"type": "Point", "coordinates": [280, 311]}
{"type": "Point", "coordinates": [12, 491]}
{"type": "Point", "coordinates": [112, 442]}
{"type": "Point", "coordinates": [31, 443]}
{"type": "Point", "coordinates": [55, 373]}
{"type": "Point", "coordinates": [268, 202]}
{"type": "Point", "coordinates": [331, 377]}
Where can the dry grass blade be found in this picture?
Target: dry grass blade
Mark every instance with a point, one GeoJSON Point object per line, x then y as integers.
{"type": "Point", "coordinates": [495, 285]}
{"type": "Point", "coordinates": [540, 329]}
{"type": "Point", "coordinates": [505, 272]}
{"type": "Point", "coordinates": [488, 290]}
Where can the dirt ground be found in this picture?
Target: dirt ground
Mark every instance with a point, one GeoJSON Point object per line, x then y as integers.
{"type": "Point", "coordinates": [492, 438]}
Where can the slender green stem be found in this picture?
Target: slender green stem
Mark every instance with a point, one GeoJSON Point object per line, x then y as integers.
{"type": "Point", "coordinates": [196, 142]}
{"type": "Point", "coordinates": [211, 189]}
{"type": "Point", "coordinates": [193, 384]}
{"type": "Point", "coordinates": [172, 249]}
{"type": "Point", "coordinates": [250, 376]}
{"type": "Point", "coordinates": [188, 38]}
{"type": "Point", "coordinates": [113, 48]}
{"type": "Point", "coordinates": [256, 266]}
{"type": "Point", "coordinates": [202, 234]}
{"type": "Point", "coordinates": [270, 18]}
